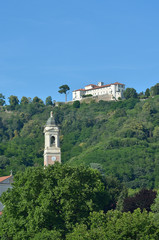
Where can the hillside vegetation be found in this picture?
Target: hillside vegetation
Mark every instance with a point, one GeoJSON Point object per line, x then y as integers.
{"type": "Point", "coordinates": [122, 136]}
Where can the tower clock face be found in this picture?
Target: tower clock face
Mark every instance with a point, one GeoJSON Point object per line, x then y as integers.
{"type": "Point", "coordinates": [53, 158]}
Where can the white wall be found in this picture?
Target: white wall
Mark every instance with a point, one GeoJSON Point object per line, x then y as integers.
{"type": "Point", "coordinates": [3, 188]}
{"type": "Point", "coordinates": [115, 90]}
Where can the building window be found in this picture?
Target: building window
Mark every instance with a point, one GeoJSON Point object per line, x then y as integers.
{"type": "Point", "coordinates": [52, 141]}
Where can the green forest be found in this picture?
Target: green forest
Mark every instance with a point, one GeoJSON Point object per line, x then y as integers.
{"type": "Point", "coordinates": [110, 162]}
{"type": "Point", "coordinates": [122, 136]}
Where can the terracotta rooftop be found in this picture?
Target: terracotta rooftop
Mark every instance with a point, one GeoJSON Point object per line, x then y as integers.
{"type": "Point", "coordinates": [0, 213]}
{"type": "Point", "coordinates": [90, 85]}
{"type": "Point", "coordinates": [116, 83]}
{"type": "Point", "coordinates": [97, 87]}
{"type": "Point", "coordinates": [4, 178]}
{"type": "Point", "coordinates": [79, 90]}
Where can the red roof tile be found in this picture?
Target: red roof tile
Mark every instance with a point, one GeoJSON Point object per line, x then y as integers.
{"type": "Point", "coordinates": [79, 90]}
{"type": "Point", "coordinates": [116, 83]}
{"type": "Point", "coordinates": [0, 213]}
{"type": "Point", "coordinates": [96, 87]}
{"type": "Point", "coordinates": [90, 85]}
{"type": "Point", "coordinates": [99, 87]}
{"type": "Point", "coordinates": [4, 178]}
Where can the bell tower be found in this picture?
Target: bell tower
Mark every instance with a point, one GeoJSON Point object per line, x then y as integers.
{"type": "Point", "coordinates": [52, 151]}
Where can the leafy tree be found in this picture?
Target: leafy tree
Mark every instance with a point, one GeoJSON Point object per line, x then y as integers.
{"type": "Point", "coordinates": [122, 196]}
{"type": "Point", "coordinates": [76, 104]}
{"type": "Point", "coordinates": [13, 100]}
{"type": "Point", "coordinates": [3, 161]}
{"type": "Point", "coordinates": [143, 200]}
{"type": "Point", "coordinates": [94, 230]}
{"type": "Point", "coordinates": [2, 101]}
{"type": "Point", "coordinates": [130, 93]}
{"type": "Point", "coordinates": [37, 100]}
{"type": "Point", "coordinates": [141, 95]}
{"type": "Point", "coordinates": [155, 209]}
{"type": "Point", "coordinates": [116, 225]}
{"type": "Point", "coordinates": [24, 100]}
{"type": "Point", "coordinates": [147, 92]}
{"type": "Point", "coordinates": [156, 133]}
{"type": "Point", "coordinates": [48, 101]}
{"type": "Point", "coordinates": [64, 89]}
{"type": "Point", "coordinates": [47, 235]}
{"type": "Point", "coordinates": [155, 90]}
{"type": "Point", "coordinates": [54, 198]}
{"type": "Point", "coordinates": [112, 186]}
{"type": "Point", "coordinates": [136, 225]}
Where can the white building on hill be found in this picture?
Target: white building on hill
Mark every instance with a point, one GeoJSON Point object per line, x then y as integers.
{"type": "Point", "coordinates": [113, 91]}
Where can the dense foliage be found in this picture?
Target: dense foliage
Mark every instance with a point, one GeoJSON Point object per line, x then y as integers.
{"type": "Point", "coordinates": [62, 202]}
{"type": "Point", "coordinates": [120, 139]}
{"type": "Point", "coordinates": [54, 198]}
{"type": "Point", "coordinates": [143, 200]}
{"type": "Point", "coordinates": [122, 136]}
{"type": "Point", "coordinates": [116, 225]}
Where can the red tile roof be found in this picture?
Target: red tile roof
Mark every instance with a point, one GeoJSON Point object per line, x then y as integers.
{"type": "Point", "coordinates": [102, 86]}
{"type": "Point", "coordinates": [116, 83]}
{"type": "Point", "coordinates": [91, 85]}
{"type": "Point", "coordinates": [97, 87]}
{"type": "Point", "coordinates": [79, 90]}
{"type": "Point", "coordinates": [0, 213]}
{"type": "Point", "coordinates": [4, 178]}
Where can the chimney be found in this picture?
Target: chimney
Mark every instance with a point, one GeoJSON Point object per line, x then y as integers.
{"type": "Point", "coordinates": [100, 84]}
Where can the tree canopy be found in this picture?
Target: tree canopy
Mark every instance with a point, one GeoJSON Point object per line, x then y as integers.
{"type": "Point", "coordinates": [130, 93]}
{"type": "Point", "coordinates": [13, 100]}
{"type": "Point", "coordinates": [64, 89]}
{"type": "Point", "coordinates": [54, 198]}
{"type": "Point", "coordinates": [116, 225]}
{"type": "Point", "coordinates": [143, 200]}
{"type": "Point", "coordinates": [48, 101]}
{"type": "Point", "coordinates": [24, 100]}
{"type": "Point", "coordinates": [2, 99]}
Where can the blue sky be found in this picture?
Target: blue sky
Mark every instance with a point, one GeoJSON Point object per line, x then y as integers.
{"type": "Point", "coordinates": [45, 44]}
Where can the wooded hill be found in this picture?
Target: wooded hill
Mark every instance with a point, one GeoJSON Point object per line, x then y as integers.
{"type": "Point", "coordinates": [122, 136]}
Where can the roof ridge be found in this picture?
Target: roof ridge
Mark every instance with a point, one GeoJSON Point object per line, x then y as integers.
{"type": "Point", "coordinates": [4, 178]}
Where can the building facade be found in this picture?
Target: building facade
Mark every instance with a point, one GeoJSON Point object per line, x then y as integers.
{"type": "Point", "coordinates": [114, 90]}
{"type": "Point", "coordinates": [5, 183]}
{"type": "Point", "coordinates": [52, 151]}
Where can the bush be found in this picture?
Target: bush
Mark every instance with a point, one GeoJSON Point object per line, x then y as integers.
{"type": "Point", "coordinates": [76, 104]}
{"type": "Point", "coordinates": [88, 95]}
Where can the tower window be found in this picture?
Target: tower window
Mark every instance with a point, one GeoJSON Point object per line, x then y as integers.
{"type": "Point", "coordinates": [52, 142]}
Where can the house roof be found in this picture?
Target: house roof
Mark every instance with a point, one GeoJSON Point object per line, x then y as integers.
{"type": "Point", "coordinates": [117, 83]}
{"type": "Point", "coordinates": [101, 86]}
{"type": "Point", "coordinates": [4, 178]}
{"type": "Point", "coordinates": [97, 87]}
{"type": "Point", "coordinates": [0, 213]}
{"type": "Point", "coordinates": [79, 90]}
{"type": "Point", "coordinates": [91, 85]}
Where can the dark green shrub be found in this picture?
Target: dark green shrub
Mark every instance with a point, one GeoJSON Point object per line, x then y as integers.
{"type": "Point", "coordinates": [76, 104]}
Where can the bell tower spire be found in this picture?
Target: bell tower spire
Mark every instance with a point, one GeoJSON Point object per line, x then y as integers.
{"type": "Point", "coordinates": [52, 151]}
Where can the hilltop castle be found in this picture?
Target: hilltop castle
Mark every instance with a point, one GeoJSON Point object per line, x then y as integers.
{"type": "Point", "coordinates": [110, 91]}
